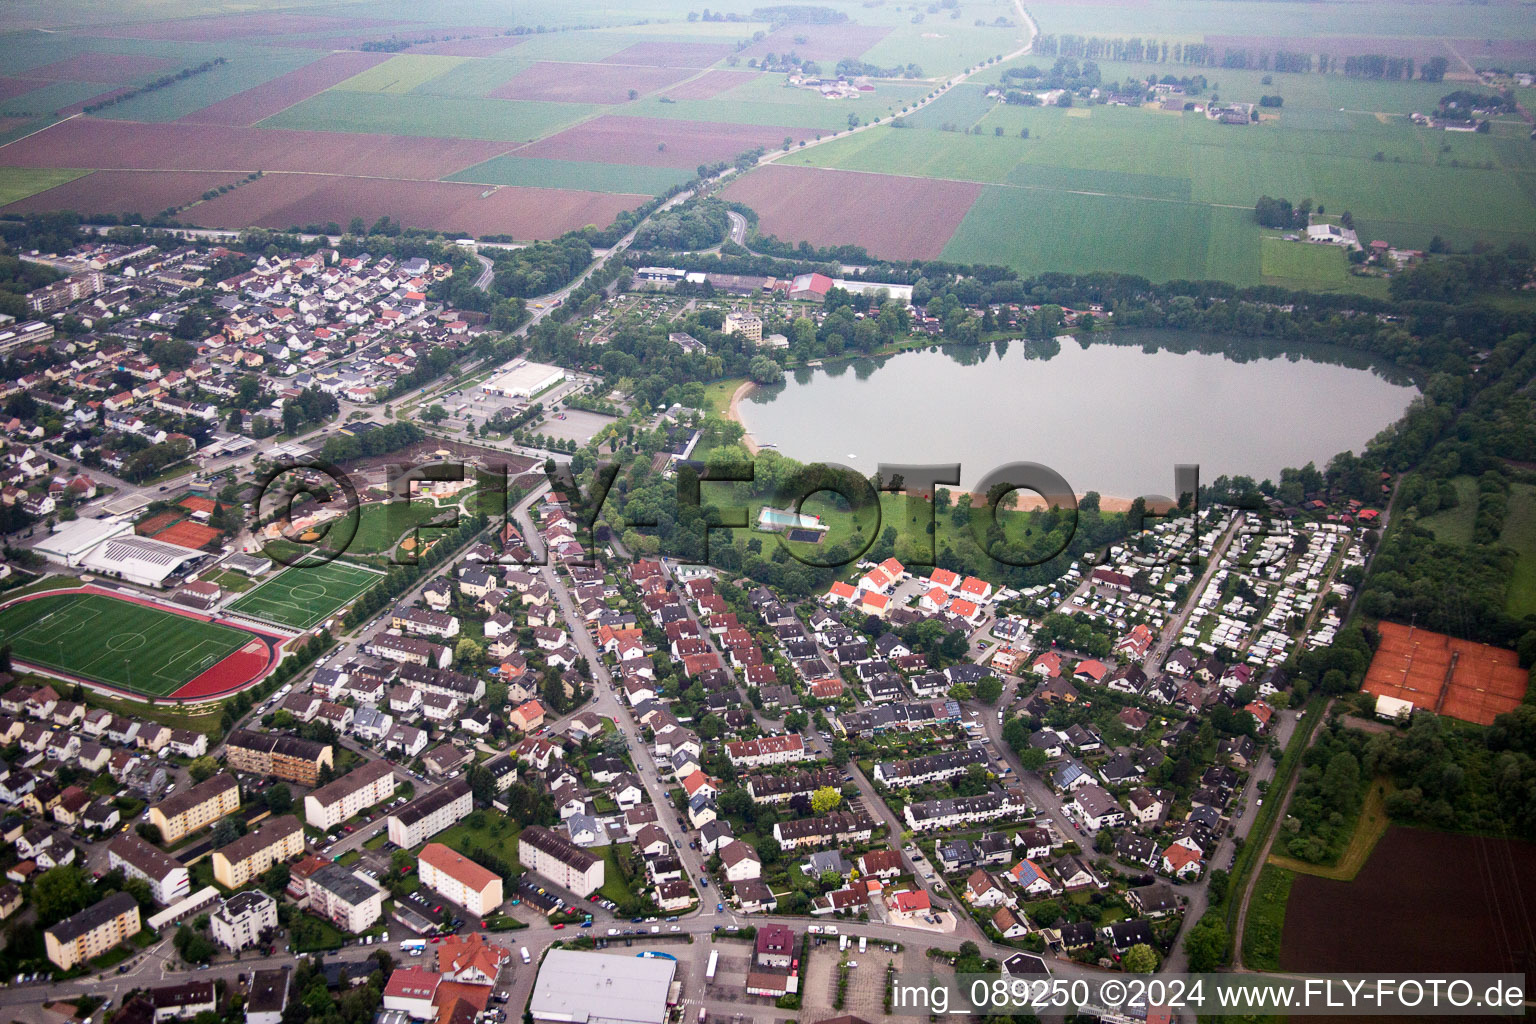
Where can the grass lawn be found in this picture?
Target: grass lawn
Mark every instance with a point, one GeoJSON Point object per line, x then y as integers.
{"type": "Point", "coordinates": [1454, 525]}
{"type": "Point", "coordinates": [316, 934]}
{"type": "Point", "coordinates": [496, 835]}
{"type": "Point", "coordinates": [380, 525]}
{"type": "Point", "coordinates": [237, 582]}
{"type": "Point", "coordinates": [16, 183]}
{"type": "Point", "coordinates": [303, 596]}
{"type": "Point", "coordinates": [136, 647]}
{"type": "Point", "coordinates": [206, 721]}
{"type": "Point", "coordinates": [613, 882]}
{"type": "Point", "coordinates": [1324, 268]}
{"type": "Point", "coordinates": [717, 396]}
{"type": "Point", "coordinates": [1266, 918]}
{"type": "Point", "coordinates": [1370, 826]}
{"type": "Point", "coordinates": [1520, 534]}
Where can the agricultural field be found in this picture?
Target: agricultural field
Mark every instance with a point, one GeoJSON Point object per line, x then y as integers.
{"type": "Point", "coordinates": [130, 646]}
{"type": "Point", "coordinates": [1138, 174]}
{"type": "Point", "coordinates": [831, 207]}
{"type": "Point", "coordinates": [572, 126]}
{"type": "Point", "coordinates": [581, 175]}
{"type": "Point", "coordinates": [303, 596]}
{"type": "Point", "coordinates": [1358, 925]}
{"type": "Point", "coordinates": [17, 183]}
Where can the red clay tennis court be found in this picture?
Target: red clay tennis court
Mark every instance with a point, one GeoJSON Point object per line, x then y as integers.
{"type": "Point", "coordinates": [188, 534]}
{"type": "Point", "coordinates": [1439, 673]}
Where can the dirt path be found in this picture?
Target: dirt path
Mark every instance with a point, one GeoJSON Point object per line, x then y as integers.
{"type": "Point", "coordinates": [1269, 842]}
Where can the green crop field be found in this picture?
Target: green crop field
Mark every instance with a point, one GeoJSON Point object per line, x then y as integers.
{"type": "Point", "coordinates": [123, 644]}
{"type": "Point", "coordinates": [1520, 534]}
{"type": "Point", "coordinates": [795, 108]}
{"type": "Point", "coordinates": [44, 100]}
{"type": "Point", "coordinates": [420, 114]}
{"type": "Point", "coordinates": [244, 70]}
{"type": "Point", "coordinates": [401, 73]}
{"type": "Point", "coordinates": [20, 182]}
{"type": "Point", "coordinates": [578, 174]}
{"type": "Point", "coordinates": [472, 78]}
{"type": "Point", "coordinates": [1401, 183]}
{"type": "Point", "coordinates": [1039, 230]}
{"type": "Point", "coordinates": [302, 596]}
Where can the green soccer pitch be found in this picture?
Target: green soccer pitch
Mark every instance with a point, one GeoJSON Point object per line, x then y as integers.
{"type": "Point", "coordinates": [121, 643]}
{"type": "Point", "coordinates": [304, 595]}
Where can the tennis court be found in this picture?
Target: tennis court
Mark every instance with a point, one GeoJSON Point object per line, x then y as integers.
{"type": "Point", "coordinates": [305, 595]}
{"type": "Point", "coordinates": [124, 644]}
{"type": "Point", "coordinates": [1446, 675]}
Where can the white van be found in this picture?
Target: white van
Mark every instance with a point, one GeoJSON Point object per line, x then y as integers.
{"type": "Point", "coordinates": [526, 958]}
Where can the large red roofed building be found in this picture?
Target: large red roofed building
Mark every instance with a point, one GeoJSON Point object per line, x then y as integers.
{"type": "Point", "coordinates": [810, 286]}
{"type": "Point", "coordinates": [459, 879]}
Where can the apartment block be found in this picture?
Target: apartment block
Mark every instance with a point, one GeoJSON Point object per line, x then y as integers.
{"type": "Point", "coordinates": [430, 813]}
{"type": "Point", "coordinates": [283, 757]}
{"type": "Point", "coordinates": [93, 931]}
{"type": "Point", "coordinates": [459, 880]}
{"type": "Point", "coordinates": [250, 855]}
{"type": "Point", "coordinates": [205, 803]}
{"type": "Point", "coordinates": [334, 803]}
{"type": "Point", "coordinates": [559, 860]}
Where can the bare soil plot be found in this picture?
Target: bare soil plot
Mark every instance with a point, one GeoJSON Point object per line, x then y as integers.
{"type": "Point", "coordinates": [262, 101]}
{"type": "Point", "coordinates": [657, 141]}
{"type": "Point", "coordinates": [1425, 901]}
{"type": "Point", "coordinates": [711, 84]}
{"type": "Point", "coordinates": [822, 42]}
{"type": "Point", "coordinates": [889, 215]}
{"type": "Point", "coordinates": [146, 192]}
{"type": "Point", "coordinates": [481, 46]}
{"type": "Point", "coordinates": [101, 67]}
{"type": "Point", "coordinates": [283, 200]}
{"type": "Point", "coordinates": [88, 142]}
{"type": "Point", "coordinates": [10, 88]}
{"type": "Point", "coordinates": [586, 83]}
{"type": "Point", "coordinates": [237, 26]}
{"type": "Point", "coordinates": [1465, 680]}
{"type": "Point", "coordinates": [671, 55]}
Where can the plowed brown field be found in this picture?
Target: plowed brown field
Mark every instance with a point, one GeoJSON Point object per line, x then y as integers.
{"type": "Point", "coordinates": [285, 200]}
{"type": "Point", "coordinates": [889, 215]}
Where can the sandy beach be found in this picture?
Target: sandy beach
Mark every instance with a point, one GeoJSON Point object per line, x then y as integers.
{"type": "Point", "coordinates": [734, 413]}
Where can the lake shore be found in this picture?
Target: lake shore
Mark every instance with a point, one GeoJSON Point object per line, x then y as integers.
{"type": "Point", "coordinates": [734, 413]}
{"type": "Point", "coordinates": [1027, 500]}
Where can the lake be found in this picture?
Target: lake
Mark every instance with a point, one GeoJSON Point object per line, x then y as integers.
{"type": "Point", "coordinates": [1112, 416]}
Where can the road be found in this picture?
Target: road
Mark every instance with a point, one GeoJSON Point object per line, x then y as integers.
{"type": "Point", "coordinates": [608, 706]}
{"type": "Point", "coordinates": [1153, 663]}
{"type": "Point", "coordinates": [487, 272]}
